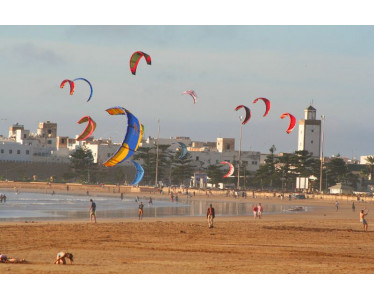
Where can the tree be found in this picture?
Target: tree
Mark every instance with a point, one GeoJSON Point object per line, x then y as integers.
{"type": "Point", "coordinates": [370, 164]}
{"type": "Point", "coordinates": [266, 174]}
{"type": "Point", "coordinates": [181, 169]}
{"type": "Point", "coordinates": [215, 174]}
{"type": "Point", "coordinates": [81, 160]}
{"type": "Point", "coordinates": [337, 171]}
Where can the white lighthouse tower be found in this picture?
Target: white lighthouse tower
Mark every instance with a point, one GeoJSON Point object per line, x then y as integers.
{"type": "Point", "coordinates": [309, 137]}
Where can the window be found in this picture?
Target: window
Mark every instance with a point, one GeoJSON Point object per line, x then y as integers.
{"type": "Point", "coordinates": [62, 141]}
{"type": "Point", "coordinates": [24, 136]}
{"type": "Point", "coordinates": [254, 162]}
{"type": "Point", "coordinates": [197, 158]}
{"type": "Point", "coordinates": [10, 151]}
{"type": "Point", "coordinates": [27, 152]}
{"type": "Point", "coordinates": [2, 150]}
{"type": "Point", "coordinates": [49, 131]}
{"type": "Point", "coordinates": [49, 142]}
{"type": "Point", "coordinates": [312, 130]}
{"type": "Point", "coordinates": [227, 147]}
{"type": "Point", "coordinates": [311, 142]}
{"type": "Point", "coordinates": [18, 151]}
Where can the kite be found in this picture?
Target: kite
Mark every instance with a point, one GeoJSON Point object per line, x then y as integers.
{"type": "Point", "coordinates": [192, 94]}
{"type": "Point", "coordinates": [89, 98]}
{"type": "Point", "coordinates": [91, 126]}
{"type": "Point", "coordinates": [292, 121]}
{"type": "Point", "coordinates": [139, 173]}
{"type": "Point", "coordinates": [267, 104]}
{"type": "Point", "coordinates": [231, 170]}
{"type": "Point", "coordinates": [183, 150]}
{"type": "Point", "coordinates": [132, 138]}
{"type": "Point", "coordinates": [135, 58]}
{"type": "Point", "coordinates": [247, 113]}
{"type": "Point", "coordinates": [71, 85]}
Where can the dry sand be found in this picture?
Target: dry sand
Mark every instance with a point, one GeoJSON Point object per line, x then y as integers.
{"type": "Point", "coordinates": [324, 241]}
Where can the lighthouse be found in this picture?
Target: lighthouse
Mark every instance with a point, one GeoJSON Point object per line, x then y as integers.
{"type": "Point", "coordinates": [309, 135]}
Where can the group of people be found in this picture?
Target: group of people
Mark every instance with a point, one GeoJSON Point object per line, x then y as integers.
{"type": "Point", "coordinates": [257, 211]}
{"type": "Point", "coordinates": [210, 214]}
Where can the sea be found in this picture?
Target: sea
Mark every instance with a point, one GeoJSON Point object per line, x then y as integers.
{"type": "Point", "coordinates": [39, 206]}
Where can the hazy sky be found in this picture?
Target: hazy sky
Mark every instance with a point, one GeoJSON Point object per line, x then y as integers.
{"type": "Point", "coordinates": [331, 67]}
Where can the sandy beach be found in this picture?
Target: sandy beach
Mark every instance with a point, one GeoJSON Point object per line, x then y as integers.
{"type": "Point", "coordinates": [322, 241]}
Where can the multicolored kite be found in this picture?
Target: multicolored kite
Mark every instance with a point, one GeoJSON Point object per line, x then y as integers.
{"type": "Point", "coordinates": [91, 126]}
{"type": "Point", "coordinates": [71, 85]}
{"type": "Point", "coordinates": [231, 170]}
{"type": "Point", "coordinates": [132, 138]}
{"type": "Point", "coordinates": [135, 58]}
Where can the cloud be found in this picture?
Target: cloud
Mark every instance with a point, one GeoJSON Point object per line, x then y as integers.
{"type": "Point", "coordinates": [28, 53]}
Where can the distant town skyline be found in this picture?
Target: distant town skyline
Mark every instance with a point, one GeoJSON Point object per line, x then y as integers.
{"type": "Point", "coordinates": [329, 67]}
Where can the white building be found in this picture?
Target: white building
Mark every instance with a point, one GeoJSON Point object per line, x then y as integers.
{"type": "Point", "coordinates": [309, 135]}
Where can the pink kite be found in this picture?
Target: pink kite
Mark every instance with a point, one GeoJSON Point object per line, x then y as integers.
{"type": "Point", "coordinates": [267, 104]}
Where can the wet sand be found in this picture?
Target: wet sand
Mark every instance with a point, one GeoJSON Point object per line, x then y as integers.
{"type": "Point", "coordinates": [323, 241]}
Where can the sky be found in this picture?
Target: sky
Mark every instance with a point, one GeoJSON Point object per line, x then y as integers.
{"type": "Point", "coordinates": [329, 67]}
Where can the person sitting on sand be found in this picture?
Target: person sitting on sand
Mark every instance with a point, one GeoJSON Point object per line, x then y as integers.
{"type": "Point", "coordinates": [362, 218]}
{"type": "Point", "coordinates": [61, 258]}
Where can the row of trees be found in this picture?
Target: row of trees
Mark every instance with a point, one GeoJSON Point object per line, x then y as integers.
{"type": "Point", "coordinates": [280, 172]}
{"type": "Point", "coordinates": [277, 173]}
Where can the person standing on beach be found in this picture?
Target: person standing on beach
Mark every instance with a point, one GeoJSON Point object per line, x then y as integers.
{"type": "Point", "coordinates": [362, 218]}
{"type": "Point", "coordinates": [255, 211]}
{"type": "Point", "coordinates": [92, 211]}
{"type": "Point", "coordinates": [337, 205]}
{"type": "Point", "coordinates": [140, 211]}
{"type": "Point", "coordinates": [259, 210]}
{"type": "Point", "coordinates": [210, 215]}
{"type": "Point", "coordinates": [353, 207]}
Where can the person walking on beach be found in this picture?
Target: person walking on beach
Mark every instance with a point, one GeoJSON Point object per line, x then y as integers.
{"type": "Point", "coordinates": [61, 258]}
{"type": "Point", "coordinates": [210, 215]}
{"type": "Point", "coordinates": [337, 205]}
{"type": "Point", "coordinates": [259, 210]}
{"type": "Point", "coordinates": [255, 211]}
{"type": "Point", "coordinates": [353, 207]}
{"type": "Point", "coordinates": [363, 214]}
{"type": "Point", "coordinates": [92, 211]}
{"type": "Point", "coordinates": [140, 211]}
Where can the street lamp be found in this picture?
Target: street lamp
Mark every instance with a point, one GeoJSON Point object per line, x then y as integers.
{"type": "Point", "coordinates": [322, 139]}
{"type": "Point", "coordinates": [240, 148]}
{"type": "Point", "coordinates": [158, 137]}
